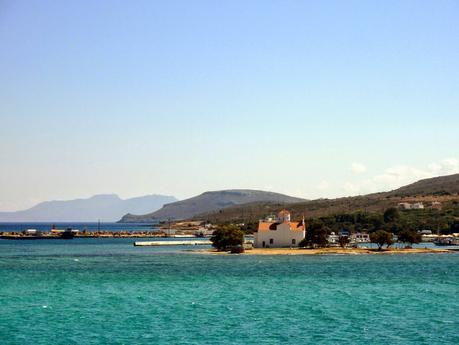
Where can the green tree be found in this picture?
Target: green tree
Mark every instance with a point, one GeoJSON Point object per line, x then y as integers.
{"type": "Point", "coordinates": [391, 215]}
{"type": "Point", "coordinates": [227, 236]}
{"type": "Point", "coordinates": [408, 236]}
{"type": "Point", "coordinates": [316, 235]}
{"type": "Point", "coordinates": [381, 238]}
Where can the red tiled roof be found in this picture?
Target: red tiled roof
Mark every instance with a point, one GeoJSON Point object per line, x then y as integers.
{"type": "Point", "coordinates": [297, 226]}
{"type": "Point", "coordinates": [266, 226]}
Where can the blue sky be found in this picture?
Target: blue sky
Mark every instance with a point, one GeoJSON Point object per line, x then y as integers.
{"type": "Point", "coordinates": [313, 99]}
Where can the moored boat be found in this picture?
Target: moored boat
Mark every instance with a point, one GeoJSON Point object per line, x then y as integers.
{"type": "Point", "coordinates": [447, 241]}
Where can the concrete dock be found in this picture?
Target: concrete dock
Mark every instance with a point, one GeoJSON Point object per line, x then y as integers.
{"type": "Point", "coordinates": [173, 243]}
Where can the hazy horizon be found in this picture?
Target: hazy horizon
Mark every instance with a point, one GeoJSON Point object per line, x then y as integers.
{"type": "Point", "coordinates": [164, 195]}
{"type": "Point", "coordinates": [307, 99]}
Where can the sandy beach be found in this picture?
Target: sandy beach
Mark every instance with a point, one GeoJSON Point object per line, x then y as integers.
{"type": "Point", "coordinates": [327, 251]}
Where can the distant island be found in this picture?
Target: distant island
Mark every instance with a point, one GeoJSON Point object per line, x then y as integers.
{"type": "Point", "coordinates": [105, 207]}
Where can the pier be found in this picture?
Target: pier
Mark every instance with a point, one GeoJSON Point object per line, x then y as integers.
{"type": "Point", "coordinates": [173, 243]}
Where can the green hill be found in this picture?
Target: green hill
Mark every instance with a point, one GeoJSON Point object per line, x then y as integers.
{"type": "Point", "coordinates": [444, 189]}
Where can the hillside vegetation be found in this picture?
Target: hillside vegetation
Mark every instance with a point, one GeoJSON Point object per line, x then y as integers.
{"type": "Point", "coordinates": [362, 212]}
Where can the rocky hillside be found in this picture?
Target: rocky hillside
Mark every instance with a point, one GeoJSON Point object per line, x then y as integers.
{"type": "Point", "coordinates": [444, 185]}
{"type": "Point", "coordinates": [443, 189]}
{"type": "Point", "coordinates": [210, 202]}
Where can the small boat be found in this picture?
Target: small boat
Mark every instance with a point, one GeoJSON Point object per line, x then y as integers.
{"type": "Point", "coordinates": [447, 241]}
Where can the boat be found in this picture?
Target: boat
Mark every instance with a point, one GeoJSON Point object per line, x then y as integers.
{"type": "Point", "coordinates": [447, 241]}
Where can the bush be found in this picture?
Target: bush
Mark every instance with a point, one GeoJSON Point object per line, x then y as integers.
{"type": "Point", "coordinates": [303, 243]}
{"type": "Point", "coordinates": [237, 250]}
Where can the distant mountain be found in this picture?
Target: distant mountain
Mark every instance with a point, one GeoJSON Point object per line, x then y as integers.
{"type": "Point", "coordinates": [208, 202]}
{"type": "Point", "coordinates": [106, 207]}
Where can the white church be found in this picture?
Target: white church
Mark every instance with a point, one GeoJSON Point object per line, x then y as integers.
{"type": "Point", "coordinates": [280, 233]}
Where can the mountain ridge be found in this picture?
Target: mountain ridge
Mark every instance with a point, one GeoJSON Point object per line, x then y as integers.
{"type": "Point", "coordinates": [104, 207]}
{"type": "Point", "coordinates": [209, 201]}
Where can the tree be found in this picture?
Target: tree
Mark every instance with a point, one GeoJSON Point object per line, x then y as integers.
{"type": "Point", "coordinates": [343, 241]}
{"type": "Point", "coordinates": [408, 236]}
{"type": "Point", "coordinates": [381, 238]}
{"type": "Point", "coordinates": [391, 215]}
{"type": "Point", "coordinates": [316, 235]}
{"type": "Point", "coordinates": [227, 236]}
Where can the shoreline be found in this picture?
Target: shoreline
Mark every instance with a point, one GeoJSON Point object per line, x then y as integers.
{"type": "Point", "coordinates": [327, 251]}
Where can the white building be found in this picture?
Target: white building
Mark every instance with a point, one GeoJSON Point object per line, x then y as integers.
{"type": "Point", "coordinates": [333, 239]}
{"type": "Point", "coordinates": [408, 206]}
{"type": "Point", "coordinates": [404, 206]}
{"type": "Point", "coordinates": [417, 206]}
{"type": "Point", "coordinates": [360, 237]}
{"type": "Point", "coordinates": [281, 233]}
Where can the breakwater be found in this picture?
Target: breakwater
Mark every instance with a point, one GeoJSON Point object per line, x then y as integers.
{"type": "Point", "coordinates": [87, 234]}
{"type": "Point", "coordinates": [173, 243]}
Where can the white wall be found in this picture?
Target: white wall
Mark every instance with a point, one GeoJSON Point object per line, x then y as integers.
{"type": "Point", "coordinates": [282, 237]}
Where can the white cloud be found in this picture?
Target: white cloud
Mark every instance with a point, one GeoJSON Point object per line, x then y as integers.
{"type": "Point", "coordinates": [351, 188]}
{"type": "Point", "coordinates": [358, 168]}
{"type": "Point", "coordinates": [323, 185]}
{"type": "Point", "coordinates": [450, 165]}
{"type": "Point", "coordinates": [398, 176]}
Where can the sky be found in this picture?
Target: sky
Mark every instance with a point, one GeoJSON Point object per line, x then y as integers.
{"type": "Point", "coordinates": [308, 98]}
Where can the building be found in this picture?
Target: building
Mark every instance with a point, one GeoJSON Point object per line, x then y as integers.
{"type": "Point", "coordinates": [417, 206]}
{"type": "Point", "coordinates": [280, 233]}
{"type": "Point", "coordinates": [333, 239]}
{"type": "Point", "coordinates": [409, 206]}
{"type": "Point", "coordinates": [436, 205]}
{"type": "Point", "coordinates": [427, 235]}
{"type": "Point", "coordinates": [404, 206]}
{"type": "Point", "coordinates": [344, 232]}
{"type": "Point", "coordinates": [360, 237]}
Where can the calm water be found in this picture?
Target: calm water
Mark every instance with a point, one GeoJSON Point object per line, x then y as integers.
{"type": "Point", "coordinates": [105, 291]}
{"type": "Point", "coordinates": [44, 226]}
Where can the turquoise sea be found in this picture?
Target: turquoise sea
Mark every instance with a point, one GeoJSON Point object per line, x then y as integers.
{"type": "Point", "coordinates": [105, 291]}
